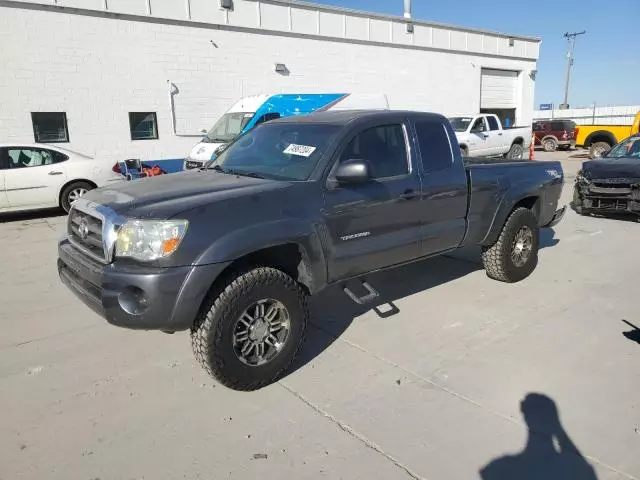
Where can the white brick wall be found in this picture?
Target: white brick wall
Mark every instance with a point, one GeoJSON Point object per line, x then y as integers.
{"type": "Point", "coordinates": [97, 69]}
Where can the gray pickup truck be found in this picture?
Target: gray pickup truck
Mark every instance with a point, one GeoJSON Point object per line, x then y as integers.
{"type": "Point", "coordinates": [232, 251]}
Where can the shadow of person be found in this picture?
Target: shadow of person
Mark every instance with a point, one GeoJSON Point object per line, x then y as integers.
{"type": "Point", "coordinates": [549, 453]}
{"type": "Point", "coordinates": [633, 334]}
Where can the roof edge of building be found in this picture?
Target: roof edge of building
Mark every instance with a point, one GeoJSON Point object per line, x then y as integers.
{"type": "Point", "coordinates": [397, 18]}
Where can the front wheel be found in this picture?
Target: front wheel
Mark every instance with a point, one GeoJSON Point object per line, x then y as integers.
{"type": "Point", "coordinates": [516, 152]}
{"type": "Point", "coordinates": [514, 256]}
{"type": "Point", "coordinates": [249, 333]}
{"type": "Point", "coordinates": [72, 193]}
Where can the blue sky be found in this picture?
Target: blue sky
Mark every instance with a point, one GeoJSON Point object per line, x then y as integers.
{"type": "Point", "coordinates": [606, 69]}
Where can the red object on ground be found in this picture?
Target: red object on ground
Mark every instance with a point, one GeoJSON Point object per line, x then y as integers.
{"type": "Point", "coordinates": [152, 172]}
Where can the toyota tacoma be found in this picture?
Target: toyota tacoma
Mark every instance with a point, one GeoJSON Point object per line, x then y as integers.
{"type": "Point", "coordinates": [232, 251]}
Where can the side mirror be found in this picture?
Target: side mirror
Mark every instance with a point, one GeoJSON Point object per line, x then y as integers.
{"type": "Point", "coordinates": [353, 171]}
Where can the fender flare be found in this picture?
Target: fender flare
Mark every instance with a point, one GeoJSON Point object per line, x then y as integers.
{"type": "Point", "coordinates": [503, 211]}
{"type": "Point", "coordinates": [600, 133]}
{"type": "Point", "coordinates": [240, 243]}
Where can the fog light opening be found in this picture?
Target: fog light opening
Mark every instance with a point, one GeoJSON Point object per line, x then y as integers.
{"type": "Point", "coordinates": [133, 301]}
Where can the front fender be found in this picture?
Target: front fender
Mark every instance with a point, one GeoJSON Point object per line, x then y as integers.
{"type": "Point", "coordinates": [239, 243]}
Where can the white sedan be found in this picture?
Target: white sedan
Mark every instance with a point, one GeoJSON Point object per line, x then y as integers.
{"type": "Point", "coordinates": [34, 176]}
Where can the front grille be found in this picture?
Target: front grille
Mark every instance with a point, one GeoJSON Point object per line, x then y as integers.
{"type": "Point", "coordinates": [609, 204]}
{"type": "Point", "coordinates": [85, 232]}
{"type": "Point", "coordinates": [190, 164]}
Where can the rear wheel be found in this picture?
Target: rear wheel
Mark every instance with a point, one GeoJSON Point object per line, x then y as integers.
{"type": "Point", "coordinates": [249, 333]}
{"type": "Point", "coordinates": [516, 152]}
{"type": "Point", "coordinates": [515, 254]}
{"type": "Point", "coordinates": [597, 149]}
{"type": "Point", "coordinates": [73, 192]}
{"type": "Point", "coordinates": [550, 144]}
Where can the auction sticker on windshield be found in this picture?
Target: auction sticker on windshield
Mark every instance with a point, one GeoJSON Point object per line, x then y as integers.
{"type": "Point", "coordinates": [300, 150]}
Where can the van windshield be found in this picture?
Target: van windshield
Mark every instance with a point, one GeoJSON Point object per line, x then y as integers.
{"type": "Point", "coordinates": [228, 127]}
{"type": "Point", "coordinates": [279, 151]}
{"type": "Point", "coordinates": [460, 124]}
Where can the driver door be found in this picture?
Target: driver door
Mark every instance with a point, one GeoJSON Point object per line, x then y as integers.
{"type": "Point", "coordinates": [374, 224]}
{"type": "Point", "coordinates": [479, 137]}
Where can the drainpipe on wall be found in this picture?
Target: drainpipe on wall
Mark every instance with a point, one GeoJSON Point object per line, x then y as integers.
{"type": "Point", "coordinates": [174, 90]}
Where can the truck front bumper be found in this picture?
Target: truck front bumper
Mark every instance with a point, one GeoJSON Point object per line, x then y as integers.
{"type": "Point", "coordinates": [137, 297]}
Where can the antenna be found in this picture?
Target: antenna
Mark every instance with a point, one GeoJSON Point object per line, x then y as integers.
{"type": "Point", "coordinates": [571, 38]}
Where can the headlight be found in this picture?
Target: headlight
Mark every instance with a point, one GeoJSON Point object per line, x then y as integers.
{"type": "Point", "coordinates": [150, 239]}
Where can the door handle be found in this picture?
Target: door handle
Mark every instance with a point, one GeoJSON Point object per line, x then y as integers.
{"type": "Point", "coordinates": [55, 173]}
{"type": "Point", "coordinates": [500, 133]}
{"type": "Point", "coordinates": [485, 135]}
{"type": "Point", "coordinates": [409, 195]}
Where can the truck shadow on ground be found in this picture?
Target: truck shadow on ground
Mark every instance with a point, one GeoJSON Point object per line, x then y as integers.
{"type": "Point", "coordinates": [549, 453]}
{"type": "Point", "coordinates": [332, 311]}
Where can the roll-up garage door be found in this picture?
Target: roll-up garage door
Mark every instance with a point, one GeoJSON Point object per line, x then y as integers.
{"type": "Point", "coordinates": [498, 89]}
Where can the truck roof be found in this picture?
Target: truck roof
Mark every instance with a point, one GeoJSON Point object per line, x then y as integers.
{"type": "Point", "coordinates": [343, 117]}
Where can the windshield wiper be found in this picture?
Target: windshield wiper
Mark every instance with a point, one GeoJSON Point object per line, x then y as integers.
{"type": "Point", "coordinates": [241, 173]}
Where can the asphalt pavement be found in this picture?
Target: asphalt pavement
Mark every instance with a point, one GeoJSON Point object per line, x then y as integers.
{"type": "Point", "coordinates": [454, 376]}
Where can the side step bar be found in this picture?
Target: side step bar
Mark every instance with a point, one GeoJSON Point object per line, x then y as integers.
{"type": "Point", "coordinates": [369, 297]}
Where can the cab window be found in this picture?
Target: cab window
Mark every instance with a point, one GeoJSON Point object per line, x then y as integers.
{"type": "Point", "coordinates": [32, 157]}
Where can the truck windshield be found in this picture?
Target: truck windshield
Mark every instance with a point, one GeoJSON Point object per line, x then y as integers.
{"type": "Point", "coordinates": [280, 151]}
{"type": "Point", "coordinates": [627, 148]}
{"type": "Point", "coordinates": [460, 124]}
{"type": "Point", "coordinates": [228, 127]}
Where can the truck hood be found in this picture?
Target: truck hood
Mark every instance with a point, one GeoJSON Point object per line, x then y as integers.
{"type": "Point", "coordinates": [167, 195]}
{"type": "Point", "coordinates": [612, 168]}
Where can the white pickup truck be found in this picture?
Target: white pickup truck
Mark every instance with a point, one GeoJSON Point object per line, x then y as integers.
{"type": "Point", "coordinates": [483, 136]}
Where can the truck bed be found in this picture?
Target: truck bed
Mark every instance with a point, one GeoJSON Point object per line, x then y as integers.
{"type": "Point", "coordinates": [468, 161]}
{"type": "Point", "coordinates": [490, 182]}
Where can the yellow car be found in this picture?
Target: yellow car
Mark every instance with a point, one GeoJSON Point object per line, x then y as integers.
{"type": "Point", "coordinates": [600, 138]}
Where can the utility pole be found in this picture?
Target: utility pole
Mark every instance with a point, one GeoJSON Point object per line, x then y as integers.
{"type": "Point", "coordinates": [571, 38]}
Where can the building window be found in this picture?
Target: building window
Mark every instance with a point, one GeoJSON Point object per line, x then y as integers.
{"type": "Point", "coordinates": [50, 127]}
{"type": "Point", "coordinates": [143, 125]}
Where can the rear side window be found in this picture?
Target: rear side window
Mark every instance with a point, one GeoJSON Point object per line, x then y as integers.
{"type": "Point", "coordinates": [493, 123]}
{"type": "Point", "coordinates": [563, 126]}
{"type": "Point", "coordinates": [435, 148]}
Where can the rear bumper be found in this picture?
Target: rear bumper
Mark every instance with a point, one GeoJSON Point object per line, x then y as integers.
{"type": "Point", "coordinates": [557, 217]}
{"type": "Point", "coordinates": [142, 298]}
{"type": "Point", "coordinates": [567, 143]}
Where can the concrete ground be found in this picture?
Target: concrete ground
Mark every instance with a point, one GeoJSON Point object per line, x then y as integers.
{"type": "Point", "coordinates": [431, 386]}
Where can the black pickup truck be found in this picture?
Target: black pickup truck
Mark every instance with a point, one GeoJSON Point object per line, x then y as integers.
{"type": "Point", "coordinates": [232, 251]}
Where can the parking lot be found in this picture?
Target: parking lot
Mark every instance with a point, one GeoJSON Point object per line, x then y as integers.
{"type": "Point", "coordinates": [430, 385]}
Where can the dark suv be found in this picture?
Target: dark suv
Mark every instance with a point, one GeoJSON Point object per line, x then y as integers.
{"type": "Point", "coordinates": [554, 134]}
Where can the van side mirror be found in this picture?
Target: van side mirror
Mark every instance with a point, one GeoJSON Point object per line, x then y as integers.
{"type": "Point", "coordinates": [353, 171]}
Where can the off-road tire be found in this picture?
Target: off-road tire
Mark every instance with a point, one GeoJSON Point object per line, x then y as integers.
{"type": "Point", "coordinates": [516, 152]}
{"type": "Point", "coordinates": [549, 144]}
{"type": "Point", "coordinates": [65, 202]}
{"type": "Point", "coordinates": [212, 333]}
{"type": "Point", "coordinates": [497, 258]}
{"type": "Point", "coordinates": [598, 146]}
